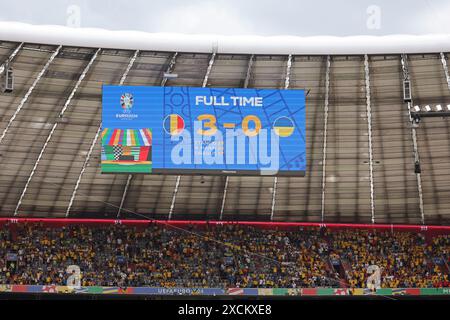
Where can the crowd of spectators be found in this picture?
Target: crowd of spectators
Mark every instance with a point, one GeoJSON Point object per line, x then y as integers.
{"type": "Point", "coordinates": [220, 256]}
{"type": "Point", "coordinates": [406, 260]}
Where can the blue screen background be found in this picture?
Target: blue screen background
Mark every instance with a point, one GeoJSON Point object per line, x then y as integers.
{"type": "Point", "coordinates": [151, 105]}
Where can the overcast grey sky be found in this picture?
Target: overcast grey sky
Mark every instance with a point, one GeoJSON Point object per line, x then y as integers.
{"type": "Point", "coordinates": [231, 17]}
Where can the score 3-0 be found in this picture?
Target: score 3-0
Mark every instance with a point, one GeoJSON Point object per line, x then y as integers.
{"type": "Point", "coordinates": [210, 123]}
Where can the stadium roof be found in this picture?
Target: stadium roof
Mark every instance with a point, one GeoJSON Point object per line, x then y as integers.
{"type": "Point", "coordinates": [49, 155]}
{"type": "Point", "coordinates": [91, 37]}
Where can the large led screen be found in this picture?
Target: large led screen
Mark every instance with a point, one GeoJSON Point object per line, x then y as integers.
{"type": "Point", "coordinates": [191, 130]}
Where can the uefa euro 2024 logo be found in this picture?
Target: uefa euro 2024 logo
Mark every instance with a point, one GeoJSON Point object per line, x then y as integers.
{"type": "Point", "coordinates": [126, 102]}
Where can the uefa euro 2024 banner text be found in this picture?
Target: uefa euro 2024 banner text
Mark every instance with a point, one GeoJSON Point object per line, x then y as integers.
{"type": "Point", "coordinates": [185, 130]}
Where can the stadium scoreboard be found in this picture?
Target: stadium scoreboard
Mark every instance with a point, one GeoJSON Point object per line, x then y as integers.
{"type": "Point", "coordinates": [191, 130]}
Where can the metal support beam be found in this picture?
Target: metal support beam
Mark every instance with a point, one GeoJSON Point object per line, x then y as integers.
{"type": "Point", "coordinates": [170, 67]}
{"type": "Point", "coordinates": [94, 141]}
{"type": "Point", "coordinates": [174, 197]}
{"type": "Point", "coordinates": [30, 90]}
{"type": "Point", "coordinates": [61, 114]}
{"type": "Point", "coordinates": [130, 64]}
{"type": "Point", "coordinates": [417, 160]}
{"type": "Point", "coordinates": [204, 84]}
{"type": "Point", "coordinates": [11, 58]}
{"type": "Point", "coordinates": [369, 131]}
{"type": "Point", "coordinates": [225, 190]}
{"type": "Point", "coordinates": [288, 72]}
{"type": "Point", "coordinates": [247, 80]}
{"type": "Point", "coordinates": [432, 114]}
{"type": "Point", "coordinates": [325, 133]}
{"type": "Point", "coordinates": [124, 195]}
{"type": "Point", "coordinates": [130, 176]}
{"type": "Point", "coordinates": [445, 67]}
{"type": "Point", "coordinates": [38, 49]}
{"type": "Point", "coordinates": [208, 71]}
{"type": "Point", "coordinates": [274, 195]}
{"type": "Point", "coordinates": [275, 180]}
{"type": "Point", "coordinates": [405, 69]}
{"type": "Point", "coordinates": [249, 71]}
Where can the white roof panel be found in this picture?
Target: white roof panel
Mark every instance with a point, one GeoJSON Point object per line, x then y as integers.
{"type": "Point", "coordinates": [91, 37]}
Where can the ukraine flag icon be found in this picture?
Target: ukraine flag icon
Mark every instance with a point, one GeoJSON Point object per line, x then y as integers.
{"type": "Point", "coordinates": [283, 127]}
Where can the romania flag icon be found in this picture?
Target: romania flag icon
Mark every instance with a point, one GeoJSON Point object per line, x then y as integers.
{"type": "Point", "coordinates": [173, 124]}
{"type": "Point", "coordinates": [283, 127]}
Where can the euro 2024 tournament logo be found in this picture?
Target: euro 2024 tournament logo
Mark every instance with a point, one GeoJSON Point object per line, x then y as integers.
{"type": "Point", "coordinates": [126, 103]}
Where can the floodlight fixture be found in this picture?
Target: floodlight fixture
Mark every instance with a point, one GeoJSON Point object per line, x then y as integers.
{"type": "Point", "coordinates": [8, 80]}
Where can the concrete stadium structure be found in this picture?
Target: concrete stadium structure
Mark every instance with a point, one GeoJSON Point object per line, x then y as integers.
{"type": "Point", "coordinates": [362, 146]}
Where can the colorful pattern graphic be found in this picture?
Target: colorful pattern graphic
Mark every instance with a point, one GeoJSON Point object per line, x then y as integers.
{"type": "Point", "coordinates": [126, 150]}
{"type": "Point", "coordinates": [126, 137]}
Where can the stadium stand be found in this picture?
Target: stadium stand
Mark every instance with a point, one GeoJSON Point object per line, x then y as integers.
{"type": "Point", "coordinates": [229, 256]}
